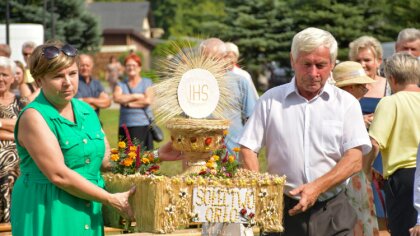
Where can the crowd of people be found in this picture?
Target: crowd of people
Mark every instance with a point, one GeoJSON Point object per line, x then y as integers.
{"type": "Point", "coordinates": [332, 130]}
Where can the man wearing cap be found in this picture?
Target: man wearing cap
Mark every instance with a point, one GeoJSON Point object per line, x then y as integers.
{"type": "Point", "coordinates": [232, 54]}
{"type": "Point", "coordinates": [315, 135]}
{"type": "Point", "coordinates": [351, 77]}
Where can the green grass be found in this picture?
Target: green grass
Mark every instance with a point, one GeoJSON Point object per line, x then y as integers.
{"type": "Point", "coordinates": [109, 118]}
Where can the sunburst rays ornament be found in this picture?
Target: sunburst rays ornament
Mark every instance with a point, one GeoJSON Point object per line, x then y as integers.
{"type": "Point", "coordinates": [192, 101]}
{"type": "Point", "coordinates": [193, 86]}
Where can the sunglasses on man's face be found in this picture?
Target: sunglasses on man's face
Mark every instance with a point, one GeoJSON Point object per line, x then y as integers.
{"type": "Point", "coordinates": [52, 52]}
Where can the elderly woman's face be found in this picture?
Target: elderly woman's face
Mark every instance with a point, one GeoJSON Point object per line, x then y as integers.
{"type": "Point", "coordinates": [59, 88]}
{"type": "Point", "coordinates": [6, 79]}
{"type": "Point", "coordinates": [370, 63]}
{"type": "Point", "coordinates": [132, 68]}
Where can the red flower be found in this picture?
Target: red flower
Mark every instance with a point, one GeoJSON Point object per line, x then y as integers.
{"type": "Point", "coordinates": [243, 211]}
{"type": "Point", "coordinates": [207, 142]}
{"type": "Point", "coordinates": [251, 215]}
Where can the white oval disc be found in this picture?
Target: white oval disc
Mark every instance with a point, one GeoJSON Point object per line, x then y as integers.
{"type": "Point", "coordinates": [198, 93]}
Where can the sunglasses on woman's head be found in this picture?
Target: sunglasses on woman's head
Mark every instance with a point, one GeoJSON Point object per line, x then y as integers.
{"type": "Point", "coordinates": [52, 52]}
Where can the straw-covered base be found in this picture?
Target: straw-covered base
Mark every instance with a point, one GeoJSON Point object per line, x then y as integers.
{"type": "Point", "coordinates": [162, 204]}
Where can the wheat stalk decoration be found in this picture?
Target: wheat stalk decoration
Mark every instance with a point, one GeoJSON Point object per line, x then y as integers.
{"type": "Point", "coordinates": [165, 102]}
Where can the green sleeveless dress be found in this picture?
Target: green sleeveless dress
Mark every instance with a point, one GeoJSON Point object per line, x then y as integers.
{"type": "Point", "coordinates": [41, 208]}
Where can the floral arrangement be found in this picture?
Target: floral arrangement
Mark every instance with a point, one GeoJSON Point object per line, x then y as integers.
{"type": "Point", "coordinates": [129, 159]}
{"type": "Point", "coordinates": [247, 218]}
{"type": "Point", "coordinates": [221, 164]}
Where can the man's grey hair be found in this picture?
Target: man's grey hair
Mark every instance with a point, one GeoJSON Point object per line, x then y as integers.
{"type": "Point", "coordinates": [213, 46]}
{"type": "Point", "coordinates": [6, 62]}
{"type": "Point", "coordinates": [28, 44]}
{"type": "Point", "coordinates": [403, 67]}
{"type": "Point", "coordinates": [409, 34]}
{"type": "Point", "coordinates": [310, 39]}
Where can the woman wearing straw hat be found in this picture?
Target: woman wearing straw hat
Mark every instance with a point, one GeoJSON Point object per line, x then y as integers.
{"type": "Point", "coordinates": [351, 77]}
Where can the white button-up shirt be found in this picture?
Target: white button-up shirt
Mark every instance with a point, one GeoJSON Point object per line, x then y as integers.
{"type": "Point", "coordinates": [305, 139]}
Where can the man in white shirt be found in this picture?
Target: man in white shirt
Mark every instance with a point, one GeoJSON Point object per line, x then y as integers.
{"type": "Point", "coordinates": [314, 134]}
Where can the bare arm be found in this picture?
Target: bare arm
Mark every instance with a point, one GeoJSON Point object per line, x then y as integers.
{"type": "Point", "coordinates": [350, 163]}
{"type": "Point", "coordinates": [8, 124]}
{"type": "Point", "coordinates": [103, 101]}
{"type": "Point", "coordinates": [49, 159]}
{"type": "Point", "coordinates": [249, 159]}
{"type": "Point", "coordinates": [121, 98]}
{"type": "Point", "coordinates": [369, 158]}
{"type": "Point", "coordinates": [168, 153]}
{"type": "Point", "coordinates": [6, 135]}
{"type": "Point", "coordinates": [142, 102]}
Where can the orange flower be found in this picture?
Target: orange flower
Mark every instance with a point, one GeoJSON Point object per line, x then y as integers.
{"type": "Point", "coordinates": [132, 155]}
{"type": "Point", "coordinates": [122, 144]}
{"type": "Point", "coordinates": [114, 151]}
{"type": "Point", "coordinates": [115, 157]}
{"type": "Point", "coordinates": [231, 158]}
{"type": "Point", "coordinates": [133, 148]}
{"type": "Point", "coordinates": [236, 149]}
{"type": "Point", "coordinates": [145, 160]}
{"type": "Point", "coordinates": [225, 132]}
{"type": "Point", "coordinates": [127, 162]}
{"type": "Point", "coordinates": [151, 157]}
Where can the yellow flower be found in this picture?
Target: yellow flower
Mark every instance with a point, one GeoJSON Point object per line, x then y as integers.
{"type": "Point", "coordinates": [114, 151]}
{"type": "Point", "coordinates": [278, 180]}
{"type": "Point", "coordinates": [133, 148]}
{"type": "Point", "coordinates": [236, 149]}
{"type": "Point", "coordinates": [145, 160]}
{"type": "Point", "coordinates": [215, 157]}
{"type": "Point", "coordinates": [128, 162]}
{"type": "Point", "coordinates": [213, 171]}
{"type": "Point", "coordinates": [231, 159]}
{"type": "Point", "coordinates": [225, 132]}
{"type": "Point", "coordinates": [189, 181]}
{"type": "Point", "coordinates": [132, 155]}
{"type": "Point", "coordinates": [122, 144]}
{"type": "Point", "coordinates": [211, 164]}
{"type": "Point", "coordinates": [115, 157]}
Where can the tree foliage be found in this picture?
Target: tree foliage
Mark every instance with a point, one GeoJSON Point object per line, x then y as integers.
{"type": "Point", "coordinates": [73, 24]}
{"type": "Point", "coordinates": [185, 17]}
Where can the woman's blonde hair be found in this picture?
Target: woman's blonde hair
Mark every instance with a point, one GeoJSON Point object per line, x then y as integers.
{"type": "Point", "coordinates": [40, 66]}
{"type": "Point", "coordinates": [403, 67]}
{"type": "Point", "coordinates": [365, 42]}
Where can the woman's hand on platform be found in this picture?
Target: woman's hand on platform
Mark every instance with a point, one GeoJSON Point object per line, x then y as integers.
{"type": "Point", "coordinates": [120, 202]}
{"type": "Point", "coordinates": [415, 231]}
{"type": "Point", "coordinates": [308, 196]}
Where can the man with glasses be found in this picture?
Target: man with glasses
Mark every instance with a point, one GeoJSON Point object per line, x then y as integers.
{"type": "Point", "coordinates": [90, 89]}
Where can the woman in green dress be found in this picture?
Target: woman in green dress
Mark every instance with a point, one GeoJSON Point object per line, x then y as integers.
{"type": "Point", "coordinates": [62, 148]}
